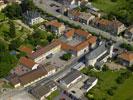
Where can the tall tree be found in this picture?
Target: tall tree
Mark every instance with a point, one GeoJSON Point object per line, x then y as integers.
{"type": "Point", "coordinates": [13, 11]}
{"type": "Point", "coordinates": [27, 5]}
{"type": "Point", "coordinates": [12, 30]}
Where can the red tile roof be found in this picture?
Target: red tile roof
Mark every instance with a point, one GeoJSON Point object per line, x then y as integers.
{"type": "Point", "coordinates": [41, 51]}
{"type": "Point", "coordinates": [82, 33]}
{"type": "Point", "coordinates": [54, 23]}
{"type": "Point", "coordinates": [81, 46]}
{"type": "Point", "coordinates": [27, 62]}
{"type": "Point", "coordinates": [69, 33]}
{"type": "Point", "coordinates": [33, 75]}
{"type": "Point", "coordinates": [92, 39]}
{"type": "Point", "coordinates": [25, 49]}
{"type": "Point", "coordinates": [126, 56]}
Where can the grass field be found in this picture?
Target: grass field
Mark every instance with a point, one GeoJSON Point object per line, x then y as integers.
{"type": "Point", "coordinates": [4, 30]}
{"type": "Point", "coordinates": [107, 80]}
{"type": "Point", "coordinates": [107, 5]}
{"type": "Point", "coordinates": [121, 9]}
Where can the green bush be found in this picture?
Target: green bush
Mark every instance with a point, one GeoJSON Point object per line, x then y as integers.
{"type": "Point", "coordinates": [127, 46]}
{"type": "Point", "coordinates": [66, 56]}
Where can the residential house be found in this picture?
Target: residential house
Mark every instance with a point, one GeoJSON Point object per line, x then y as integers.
{"type": "Point", "coordinates": [117, 27]}
{"type": "Point", "coordinates": [102, 24]}
{"type": "Point", "coordinates": [71, 78]}
{"type": "Point", "coordinates": [129, 33]}
{"type": "Point", "coordinates": [89, 83]}
{"type": "Point", "coordinates": [87, 42]}
{"type": "Point", "coordinates": [92, 40]}
{"type": "Point", "coordinates": [32, 17]}
{"type": "Point", "coordinates": [50, 69]}
{"type": "Point", "coordinates": [74, 14]}
{"type": "Point", "coordinates": [28, 63]}
{"type": "Point", "coordinates": [28, 78]}
{"type": "Point", "coordinates": [99, 55]}
{"type": "Point", "coordinates": [85, 18]}
{"type": "Point", "coordinates": [56, 27]}
{"type": "Point", "coordinates": [44, 90]}
{"type": "Point", "coordinates": [42, 53]}
{"type": "Point", "coordinates": [81, 48]}
{"type": "Point", "coordinates": [126, 58]}
{"type": "Point", "coordinates": [25, 49]}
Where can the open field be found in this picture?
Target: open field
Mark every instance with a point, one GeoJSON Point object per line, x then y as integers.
{"type": "Point", "coordinates": [121, 9]}
{"type": "Point", "coordinates": [107, 80]}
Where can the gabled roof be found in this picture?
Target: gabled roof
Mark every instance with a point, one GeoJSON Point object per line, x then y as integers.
{"type": "Point", "coordinates": [27, 62]}
{"type": "Point", "coordinates": [70, 33]}
{"type": "Point", "coordinates": [92, 39]}
{"type": "Point", "coordinates": [25, 49]}
{"type": "Point", "coordinates": [31, 76]}
{"type": "Point", "coordinates": [126, 56]}
{"type": "Point", "coordinates": [82, 33]}
{"type": "Point", "coordinates": [45, 49]}
{"type": "Point", "coordinates": [97, 52]}
{"type": "Point", "coordinates": [43, 89]}
{"type": "Point", "coordinates": [71, 76]}
{"type": "Point", "coordinates": [81, 46]}
{"type": "Point", "coordinates": [74, 12]}
{"type": "Point", "coordinates": [116, 23]}
{"type": "Point", "coordinates": [104, 22]}
{"type": "Point", "coordinates": [85, 15]}
{"type": "Point", "coordinates": [54, 23]}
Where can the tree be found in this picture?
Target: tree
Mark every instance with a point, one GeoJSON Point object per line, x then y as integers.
{"type": "Point", "coordinates": [13, 11]}
{"type": "Point", "coordinates": [66, 56]}
{"type": "Point", "coordinates": [110, 92]}
{"type": "Point", "coordinates": [15, 44]}
{"type": "Point", "coordinates": [27, 5]}
{"type": "Point", "coordinates": [12, 29]}
{"type": "Point", "coordinates": [3, 46]}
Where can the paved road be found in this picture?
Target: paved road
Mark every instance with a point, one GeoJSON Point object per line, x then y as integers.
{"type": "Point", "coordinates": [45, 5]}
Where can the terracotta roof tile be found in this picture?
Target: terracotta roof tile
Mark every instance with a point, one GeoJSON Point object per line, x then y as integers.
{"type": "Point", "coordinates": [126, 56]}
{"type": "Point", "coordinates": [27, 62]}
{"type": "Point", "coordinates": [92, 39]}
{"type": "Point", "coordinates": [44, 50]}
{"type": "Point", "coordinates": [69, 33]}
{"type": "Point", "coordinates": [33, 75]}
{"type": "Point", "coordinates": [54, 23]}
{"type": "Point", "coordinates": [81, 46]}
{"type": "Point", "coordinates": [25, 49]}
{"type": "Point", "coordinates": [82, 33]}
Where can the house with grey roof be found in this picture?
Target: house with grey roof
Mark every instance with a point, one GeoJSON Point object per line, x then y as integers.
{"type": "Point", "coordinates": [129, 33]}
{"type": "Point", "coordinates": [100, 54]}
{"type": "Point", "coordinates": [71, 78]}
{"type": "Point", "coordinates": [44, 90]}
{"type": "Point", "coordinates": [89, 83]}
{"type": "Point", "coordinates": [32, 17]}
{"type": "Point", "coordinates": [85, 18]}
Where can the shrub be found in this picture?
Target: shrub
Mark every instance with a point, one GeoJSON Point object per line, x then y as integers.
{"type": "Point", "coordinates": [66, 56]}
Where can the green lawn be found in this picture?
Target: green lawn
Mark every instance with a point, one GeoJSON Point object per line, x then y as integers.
{"type": "Point", "coordinates": [54, 94]}
{"type": "Point", "coordinates": [107, 5]}
{"type": "Point", "coordinates": [21, 32]}
{"type": "Point", "coordinates": [121, 9]}
{"type": "Point", "coordinates": [2, 16]}
{"type": "Point", "coordinates": [107, 80]}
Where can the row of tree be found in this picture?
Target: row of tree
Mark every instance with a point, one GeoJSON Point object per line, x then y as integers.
{"type": "Point", "coordinates": [15, 10]}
